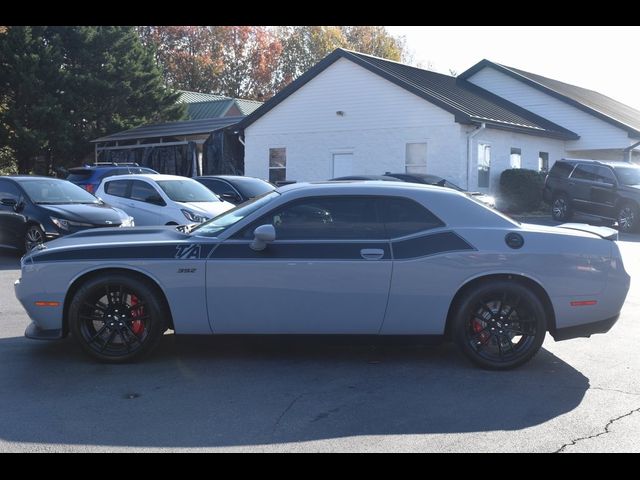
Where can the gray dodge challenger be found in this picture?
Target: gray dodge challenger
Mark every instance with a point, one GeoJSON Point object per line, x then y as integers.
{"type": "Point", "coordinates": [357, 258]}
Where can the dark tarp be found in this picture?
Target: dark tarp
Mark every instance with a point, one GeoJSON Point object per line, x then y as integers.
{"type": "Point", "coordinates": [171, 160]}
{"type": "Point", "coordinates": [222, 154]}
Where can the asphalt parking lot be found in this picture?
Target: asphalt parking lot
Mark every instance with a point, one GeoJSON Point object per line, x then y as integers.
{"type": "Point", "coordinates": [212, 394]}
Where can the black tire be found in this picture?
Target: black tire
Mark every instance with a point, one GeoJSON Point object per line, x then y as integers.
{"type": "Point", "coordinates": [561, 209]}
{"type": "Point", "coordinates": [499, 324]}
{"type": "Point", "coordinates": [628, 218]}
{"type": "Point", "coordinates": [32, 237]}
{"type": "Point", "coordinates": [117, 318]}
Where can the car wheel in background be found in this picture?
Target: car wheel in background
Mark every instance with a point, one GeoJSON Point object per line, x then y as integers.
{"type": "Point", "coordinates": [499, 325]}
{"type": "Point", "coordinates": [628, 218]}
{"type": "Point", "coordinates": [117, 318]}
{"type": "Point", "coordinates": [33, 237]}
{"type": "Point", "coordinates": [561, 208]}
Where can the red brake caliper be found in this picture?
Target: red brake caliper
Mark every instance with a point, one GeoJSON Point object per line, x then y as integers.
{"type": "Point", "coordinates": [136, 325]}
{"type": "Point", "coordinates": [477, 328]}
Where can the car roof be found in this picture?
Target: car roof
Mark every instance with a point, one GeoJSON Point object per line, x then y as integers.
{"type": "Point", "coordinates": [611, 163]}
{"type": "Point", "coordinates": [31, 177]}
{"type": "Point", "coordinates": [373, 187]}
{"type": "Point", "coordinates": [230, 178]}
{"type": "Point", "coordinates": [147, 176]}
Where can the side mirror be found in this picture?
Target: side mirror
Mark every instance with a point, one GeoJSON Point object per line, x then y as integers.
{"type": "Point", "coordinates": [262, 235]}
{"type": "Point", "coordinates": [9, 202]}
{"type": "Point", "coordinates": [230, 197]}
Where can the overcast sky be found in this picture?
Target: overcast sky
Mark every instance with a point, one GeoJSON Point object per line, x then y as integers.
{"type": "Point", "coordinates": [604, 59]}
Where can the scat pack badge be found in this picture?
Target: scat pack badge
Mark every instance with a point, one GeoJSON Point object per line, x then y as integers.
{"type": "Point", "coordinates": [187, 252]}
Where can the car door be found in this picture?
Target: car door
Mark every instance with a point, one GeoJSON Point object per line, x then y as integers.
{"type": "Point", "coordinates": [146, 204]}
{"type": "Point", "coordinates": [12, 223]}
{"type": "Point", "coordinates": [328, 271]}
{"type": "Point", "coordinates": [582, 179]}
{"type": "Point", "coordinates": [604, 192]}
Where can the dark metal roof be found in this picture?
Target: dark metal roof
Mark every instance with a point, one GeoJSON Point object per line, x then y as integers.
{"type": "Point", "coordinates": [189, 127]}
{"type": "Point", "coordinates": [469, 103]}
{"type": "Point", "coordinates": [592, 102]}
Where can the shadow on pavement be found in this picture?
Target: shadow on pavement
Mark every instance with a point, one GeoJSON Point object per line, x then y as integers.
{"type": "Point", "coordinates": [213, 391]}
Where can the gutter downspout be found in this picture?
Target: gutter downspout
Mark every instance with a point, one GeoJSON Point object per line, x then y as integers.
{"type": "Point", "coordinates": [627, 152]}
{"type": "Point", "coordinates": [470, 137]}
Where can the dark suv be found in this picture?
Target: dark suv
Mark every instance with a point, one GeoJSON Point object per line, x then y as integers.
{"type": "Point", "coordinates": [607, 190]}
{"type": "Point", "coordinates": [90, 176]}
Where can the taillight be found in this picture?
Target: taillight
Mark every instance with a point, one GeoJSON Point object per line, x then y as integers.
{"type": "Point", "coordinates": [90, 188]}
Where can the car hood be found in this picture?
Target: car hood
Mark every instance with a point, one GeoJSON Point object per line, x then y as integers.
{"type": "Point", "coordinates": [208, 209]}
{"type": "Point", "coordinates": [95, 214]}
{"type": "Point", "coordinates": [110, 243]}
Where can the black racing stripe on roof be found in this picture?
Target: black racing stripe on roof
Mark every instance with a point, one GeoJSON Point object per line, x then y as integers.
{"type": "Point", "coordinates": [139, 252]}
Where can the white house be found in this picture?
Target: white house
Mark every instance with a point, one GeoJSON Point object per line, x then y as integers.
{"type": "Point", "coordinates": [358, 114]}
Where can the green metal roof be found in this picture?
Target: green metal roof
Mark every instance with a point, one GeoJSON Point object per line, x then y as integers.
{"type": "Point", "coordinates": [247, 107]}
{"type": "Point", "coordinates": [196, 97]}
{"type": "Point", "coordinates": [200, 110]}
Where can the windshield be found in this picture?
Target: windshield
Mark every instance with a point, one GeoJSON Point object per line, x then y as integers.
{"type": "Point", "coordinates": [187, 190]}
{"type": "Point", "coordinates": [252, 187]}
{"type": "Point", "coordinates": [219, 224]}
{"type": "Point", "coordinates": [52, 192]}
{"type": "Point", "coordinates": [628, 175]}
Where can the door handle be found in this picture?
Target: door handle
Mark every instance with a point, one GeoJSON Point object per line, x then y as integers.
{"type": "Point", "coordinates": [372, 253]}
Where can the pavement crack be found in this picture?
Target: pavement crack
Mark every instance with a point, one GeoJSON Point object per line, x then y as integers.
{"type": "Point", "coordinates": [285, 411]}
{"type": "Point", "coordinates": [599, 434]}
{"type": "Point", "coordinates": [614, 390]}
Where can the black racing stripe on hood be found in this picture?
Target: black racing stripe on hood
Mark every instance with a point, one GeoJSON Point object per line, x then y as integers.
{"type": "Point", "coordinates": [183, 251]}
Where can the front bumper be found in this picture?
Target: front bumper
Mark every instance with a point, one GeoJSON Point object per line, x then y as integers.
{"type": "Point", "coordinates": [585, 330]}
{"type": "Point", "coordinates": [45, 318]}
{"type": "Point", "coordinates": [34, 332]}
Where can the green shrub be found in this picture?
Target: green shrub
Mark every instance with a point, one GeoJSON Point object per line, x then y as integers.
{"type": "Point", "coordinates": [521, 190]}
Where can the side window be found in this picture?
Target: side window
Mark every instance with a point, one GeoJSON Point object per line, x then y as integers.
{"type": "Point", "coordinates": [605, 175]}
{"type": "Point", "coordinates": [141, 191]}
{"type": "Point", "coordinates": [585, 172]}
{"type": "Point", "coordinates": [216, 186]}
{"type": "Point", "coordinates": [9, 190]}
{"type": "Point", "coordinates": [277, 165]}
{"type": "Point", "coordinates": [323, 218]}
{"type": "Point", "coordinates": [117, 188]}
{"type": "Point", "coordinates": [404, 217]}
{"type": "Point", "coordinates": [561, 169]}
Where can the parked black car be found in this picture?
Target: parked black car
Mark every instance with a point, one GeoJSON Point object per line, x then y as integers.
{"type": "Point", "coordinates": [429, 179]}
{"type": "Point", "coordinates": [607, 190]}
{"type": "Point", "coordinates": [50, 208]}
{"type": "Point", "coordinates": [235, 188]}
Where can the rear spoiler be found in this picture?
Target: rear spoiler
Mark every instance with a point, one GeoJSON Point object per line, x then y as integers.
{"type": "Point", "coordinates": [603, 232]}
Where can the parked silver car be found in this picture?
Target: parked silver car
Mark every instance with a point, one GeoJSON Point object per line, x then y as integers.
{"type": "Point", "coordinates": [366, 258]}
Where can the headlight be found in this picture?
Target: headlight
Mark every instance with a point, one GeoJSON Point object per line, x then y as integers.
{"type": "Point", "coordinates": [67, 224]}
{"type": "Point", "coordinates": [193, 217]}
{"type": "Point", "coordinates": [128, 222]}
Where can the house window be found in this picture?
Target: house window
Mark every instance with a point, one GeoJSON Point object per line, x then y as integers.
{"type": "Point", "coordinates": [415, 158]}
{"type": "Point", "coordinates": [515, 160]}
{"type": "Point", "coordinates": [543, 161]}
{"type": "Point", "coordinates": [484, 165]}
{"type": "Point", "coordinates": [277, 165]}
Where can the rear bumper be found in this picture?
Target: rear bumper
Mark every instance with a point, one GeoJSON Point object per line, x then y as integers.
{"type": "Point", "coordinates": [586, 330]}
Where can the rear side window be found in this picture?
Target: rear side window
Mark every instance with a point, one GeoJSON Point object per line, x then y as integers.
{"type": "Point", "coordinates": [217, 186]}
{"type": "Point", "coordinates": [561, 169]}
{"type": "Point", "coordinates": [76, 176]}
{"type": "Point", "coordinates": [117, 188]}
{"type": "Point", "coordinates": [404, 217]}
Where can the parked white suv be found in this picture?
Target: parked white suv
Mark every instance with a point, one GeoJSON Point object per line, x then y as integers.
{"type": "Point", "coordinates": [161, 199]}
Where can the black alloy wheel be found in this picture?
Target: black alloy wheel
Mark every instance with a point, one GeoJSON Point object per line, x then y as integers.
{"type": "Point", "coordinates": [117, 318]}
{"type": "Point", "coordinates": [561, 208]}
{"type": "Point", "coordinates": [628, 218]}
{"type": "Point", "coordinates": [33, 237]}
{"type": "Point", "coordinates": [500, 325]}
